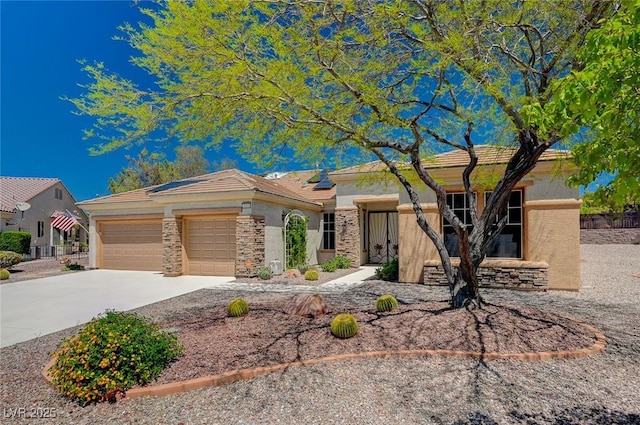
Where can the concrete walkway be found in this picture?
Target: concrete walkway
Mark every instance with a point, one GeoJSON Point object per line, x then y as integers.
{"type": "Point", "coordinates": [32, 308]}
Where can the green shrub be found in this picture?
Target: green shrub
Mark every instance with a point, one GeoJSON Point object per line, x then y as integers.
{"type": "Point", "coordinates": [329, 266]}
{"type": "Point", "coordinates": [113, 352]}
{"type": "Point", "coordinates": [312, 275]}
{"type": "Point", "coordinates": [265, 273]}
{"type": "Point", "coordinates": [74, 266]}
{"type": "Point", "coordinates": [388, 271]}
{"type": "Point", "coordinates": [237, 308]}
{"type": "Point", "coordinates": [344, 326]}
{"type": "Point", "coordinates": [9, 258]}
{"type": "Point", "coordinates": [386, 303]}
{"type": "Point", "coordinates": [337, 262]}
{"type": "Point", "coordinates": [4, 274]}
{"type": "Point", "coordinates": [304, 267]}
{"type": "Point", "coordinates": [19, 242]}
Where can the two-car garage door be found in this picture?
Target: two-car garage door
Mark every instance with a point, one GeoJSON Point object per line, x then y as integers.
{"type": "Point", "coordinates": [132, 245]}
{"type": "Point", "coordinates": [209, 245]}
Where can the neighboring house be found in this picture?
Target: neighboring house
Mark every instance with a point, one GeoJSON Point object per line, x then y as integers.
{"type": "Point", "coordinates": [231, 222]}
{"type": "Point", "coordinates": [48, 199]}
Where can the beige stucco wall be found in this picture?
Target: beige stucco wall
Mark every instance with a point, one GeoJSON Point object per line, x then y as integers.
{"type": "Point", "coordinates": [414, 245]}
{"type": "Point", "coordinates": [553, 236]}
{"type": "Point", "coordinates": [348, 192]}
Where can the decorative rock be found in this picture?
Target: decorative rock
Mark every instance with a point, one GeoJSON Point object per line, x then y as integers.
{"type": "Point", "coordinates": [291, 274]}
{"type": "Point", "coordinates": [307, 305]}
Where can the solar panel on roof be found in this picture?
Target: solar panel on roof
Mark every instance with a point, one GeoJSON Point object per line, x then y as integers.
{"type": "Point", "coordinates": [325, 182]}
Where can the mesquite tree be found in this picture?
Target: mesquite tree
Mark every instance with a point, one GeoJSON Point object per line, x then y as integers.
{"type": "Point", "coordinates": [401, 80]}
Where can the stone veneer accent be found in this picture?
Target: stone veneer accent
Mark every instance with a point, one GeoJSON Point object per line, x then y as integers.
{"type": "Point", "coordinates": [249, 245]}
{"type": "Point", "coordinates": [348, 238]}
{"type": "Point", "coordinates": [497, 274]}
{"type": "Point", "coordinates": [172, 246]}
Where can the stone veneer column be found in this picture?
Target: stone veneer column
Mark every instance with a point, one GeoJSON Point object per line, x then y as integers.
{"type": "Point", "coordinates": [348, 238]}
{"type": "Point", "coordinates": [172, 246]}
{"type": "Point", "coordinates": [249, 245]}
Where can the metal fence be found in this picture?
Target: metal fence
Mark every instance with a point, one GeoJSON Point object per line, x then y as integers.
{"type": "Point", "coordinates": [73, 251]}
{"type": "Point", "coordinates": [627, 220]}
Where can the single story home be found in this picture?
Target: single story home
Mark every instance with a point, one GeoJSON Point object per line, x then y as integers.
{"type": "Point", "coordinates": [231, 222]}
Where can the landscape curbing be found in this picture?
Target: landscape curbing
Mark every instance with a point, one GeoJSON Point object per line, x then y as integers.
{"type": "Point", "coordinates": [250, 373]}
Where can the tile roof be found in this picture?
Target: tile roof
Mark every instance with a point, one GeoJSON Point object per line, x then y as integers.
{"type": "Point", "coordinates": [22, 189]}
{"type": "Point", "coordinates": [487, 155]}
{"type": "Point", "coordinates": [220, 182]}
{"type": "Point", "coordinates": [298, 181]}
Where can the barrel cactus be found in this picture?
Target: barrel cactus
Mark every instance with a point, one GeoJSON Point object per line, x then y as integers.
{"type": "Point", "coordinates": [4, 274]}
{"type": "Point", "coordinates": [386, 303]}
{"type": "Point", "coordinates": [237, 308]}
{"type": "Point", "coordinates": [344, 326]}
{"type": "Point", "coordinates": [311, 274]}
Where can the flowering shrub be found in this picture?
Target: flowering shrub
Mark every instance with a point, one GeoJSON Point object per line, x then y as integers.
{"type": "Point", "coordinates": [110, 354]}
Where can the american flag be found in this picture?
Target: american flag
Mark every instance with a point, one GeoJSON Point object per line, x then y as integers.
{"type": "Point", "coordinates": [64, 221]}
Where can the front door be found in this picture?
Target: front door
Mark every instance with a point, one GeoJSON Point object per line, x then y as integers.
{"type": "Point", "coordinates": [383, 237]}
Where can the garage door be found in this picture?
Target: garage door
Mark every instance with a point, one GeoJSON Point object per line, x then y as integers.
{"type": "Point", "coordinates": [132, 245]}
{"type": "Point", "coordinates": [211, 246]}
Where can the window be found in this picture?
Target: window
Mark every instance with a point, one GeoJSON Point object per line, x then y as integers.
{"type": "Point", "coordinates": [329, 231]}
{"type": "Point", "coordinates": [40, 229]}
{"type": "Point", "coordinates": [508, 244]}
{"type": "Point", "coordinates": [459, 203]}
{"type": "Point", "coordinates": [58, 193]}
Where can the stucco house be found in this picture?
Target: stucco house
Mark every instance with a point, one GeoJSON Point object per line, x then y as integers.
{"type": "Point", "coordinates": [47, 198]}
{"type": "Point", "coordinates": [230, 222]}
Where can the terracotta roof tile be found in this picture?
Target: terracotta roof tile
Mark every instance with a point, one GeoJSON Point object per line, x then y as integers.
{"type": "Point", "coordinates": [21, 189]}
{"type": "Point", "coordinates": [487, 154]}
{"type": "Point", "coordinates": [219, 182]}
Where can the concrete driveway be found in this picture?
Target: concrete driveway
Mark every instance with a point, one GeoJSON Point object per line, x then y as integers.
{"type": "Point", "coordinates": [33, 308]}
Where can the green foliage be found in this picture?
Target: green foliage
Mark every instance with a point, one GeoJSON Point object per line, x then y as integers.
{"type": "Point", "coordinates": [344, 326]}
{"type": "Point", "coordinates": [337, 262]}
{"type": "Point", "coordinates": [264, 273]}
{"type": "Point", "coordinates": [329, 266]}
{"type": "Point", "coordinates": [150, 169]}
{"type": "Point", "coordinates": [4, 274]}
{"type": "Point", "coordinates": [386, 303]}
{"type": "Point", "coordinates": [388, 271]}
{"type": "Point", "coordinates": [112, 353]}
{"type": "Point", "coordinates": [296, 241]}
{"type": "Point", "coordinates": [604, 96]}
{"type": "Point", "coordinates": [15, 241]}
{"type": "Point", "coordinates": [9, 258]}
{"type": "Point", "coordinates": [73, 267]}
{"type": "Point", "coordinates": [311, 274]}
{"type": "Point", "coordinates": [303, 268]}
{"type": "Point", "coordinates": [238, 307]}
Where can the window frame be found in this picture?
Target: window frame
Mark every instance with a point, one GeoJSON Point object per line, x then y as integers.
{"type": "Point", "coordinates": [40, 229]}
{"type": "Point", "coordinates": [464, 214]}
{"type": "Point", "coordinates": [329, 231]}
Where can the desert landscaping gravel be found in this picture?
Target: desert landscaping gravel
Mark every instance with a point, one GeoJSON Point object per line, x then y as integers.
{"type": "Point", "coordinates": [599, 389]}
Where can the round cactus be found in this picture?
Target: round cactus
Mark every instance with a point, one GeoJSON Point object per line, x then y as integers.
{"type": "Point", "coordinates": [344, 326]}
{"type": "Point", "coordinates": [237, 308]}
{"type": "Point", "coordinates": [386, 303]}
{"type": "Point", "coordinates": [4, 274]}
{"type": "Point", "coordinates": [311, 274]}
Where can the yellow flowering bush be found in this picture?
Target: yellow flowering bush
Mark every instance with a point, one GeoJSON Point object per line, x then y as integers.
{"type": "Point", "coordinates": [113, 352]}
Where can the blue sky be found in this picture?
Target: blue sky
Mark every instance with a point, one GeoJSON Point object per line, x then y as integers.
{"type": "Point", "coordinates": [41, 43]}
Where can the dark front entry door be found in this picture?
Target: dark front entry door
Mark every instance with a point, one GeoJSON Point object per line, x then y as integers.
{"type": "Point", "coordinates": [383, 237]}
